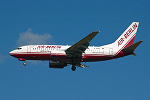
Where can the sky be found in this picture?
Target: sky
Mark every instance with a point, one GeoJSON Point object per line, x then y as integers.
{"type": "Point", "coordinates": [65, 22]}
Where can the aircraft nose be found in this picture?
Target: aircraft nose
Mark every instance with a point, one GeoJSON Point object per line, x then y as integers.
{"type": "Point", "coordinates": [11, 53]}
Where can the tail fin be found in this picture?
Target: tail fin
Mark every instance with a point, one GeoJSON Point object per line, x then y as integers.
{"type": "Point", "coordinates": [127, 38]}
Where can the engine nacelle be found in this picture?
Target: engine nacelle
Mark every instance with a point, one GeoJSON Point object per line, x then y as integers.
{"type": "Point", "coordinates": [57, 64]}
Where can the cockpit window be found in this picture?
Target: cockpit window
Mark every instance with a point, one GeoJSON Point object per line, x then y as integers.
{"type": "Point", "coordinates": [19, 48]}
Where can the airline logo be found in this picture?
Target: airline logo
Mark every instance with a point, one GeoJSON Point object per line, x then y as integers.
{"type": "Point", "coordinates": [127, 34]}
{"type": "Point", "coordinates": [54, 47]}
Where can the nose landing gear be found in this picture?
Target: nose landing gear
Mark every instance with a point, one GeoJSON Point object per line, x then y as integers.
{"type": "Point", "coordinates": [21, 59]}
{"type": "Point", "coordinates": [24, 63]}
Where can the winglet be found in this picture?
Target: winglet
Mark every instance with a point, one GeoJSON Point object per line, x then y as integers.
{"type": "Point", "coordinates": [132, 47]}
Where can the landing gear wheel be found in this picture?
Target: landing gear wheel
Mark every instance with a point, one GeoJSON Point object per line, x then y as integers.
{"type": "Point", "coordinates": [24, 63]}
{"type": "Point", "coordinates": [73, 68]}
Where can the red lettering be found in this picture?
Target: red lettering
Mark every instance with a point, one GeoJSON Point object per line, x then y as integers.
{"type": "Point", "coordinates": [49, 47]}
{"type": "Point", "coordinates": [59, 47]}
{"type": "Point", "coordinates": [134, 26]}
{"type": "Point", "coordinates": [53, 46]}
{"type": "Point", "coordinates": [130, 31]}
{"type": "Point", "coordinates": [120, 41]}
{"type": "Point", "coordinates": [42, 46]}
{"type": "Point", "coordinates": [39, 46]}
{"type": "Point", "coordinates": [126, 36]}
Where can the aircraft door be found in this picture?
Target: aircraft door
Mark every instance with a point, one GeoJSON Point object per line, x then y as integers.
{"type": "Point", "coordinates": [50, 54]}
{"type": "Point", "coordinates": [111, 51]}
{"type": "Point", "coordinates": [28, 48]}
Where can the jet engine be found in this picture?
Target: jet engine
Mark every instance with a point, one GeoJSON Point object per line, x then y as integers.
{"type": "Point", "coordinates": [57, 64]}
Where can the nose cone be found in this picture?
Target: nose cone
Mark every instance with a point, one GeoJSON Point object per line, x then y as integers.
{"type": "Point", "coordinates": [11, 53]}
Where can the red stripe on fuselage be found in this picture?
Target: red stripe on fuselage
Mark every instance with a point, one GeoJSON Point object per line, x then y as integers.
{"type": "Point", "coordinates": [62, 57]}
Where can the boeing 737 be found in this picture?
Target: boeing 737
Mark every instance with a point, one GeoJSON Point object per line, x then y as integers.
{"type": "Point", "coordinates": [59, 56]}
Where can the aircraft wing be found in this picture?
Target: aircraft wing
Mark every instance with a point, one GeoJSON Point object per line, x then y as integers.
{"type": "Point", "coordinates": [77, 49]}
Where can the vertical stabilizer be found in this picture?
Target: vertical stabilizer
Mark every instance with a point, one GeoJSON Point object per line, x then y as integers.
{"type": "Point", "coordinates": [127, 38]}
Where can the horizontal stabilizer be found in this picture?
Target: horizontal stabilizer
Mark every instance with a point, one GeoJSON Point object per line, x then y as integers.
{"type": "Point", "coordinates": [132, 47]}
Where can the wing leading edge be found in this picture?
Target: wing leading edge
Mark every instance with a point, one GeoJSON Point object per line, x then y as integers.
{"type": "Point", "coordinates": [76, 50]}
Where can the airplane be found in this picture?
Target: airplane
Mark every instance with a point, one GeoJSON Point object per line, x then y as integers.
{"type": "Point", "coordinates": [59, 56]}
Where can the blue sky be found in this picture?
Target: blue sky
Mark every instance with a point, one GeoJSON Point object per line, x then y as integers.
{"type": "Point", "coordinates": [66, 22]}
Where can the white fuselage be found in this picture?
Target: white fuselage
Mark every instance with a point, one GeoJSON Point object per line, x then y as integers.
{"type": "Point", "coordinates": [57, 52]}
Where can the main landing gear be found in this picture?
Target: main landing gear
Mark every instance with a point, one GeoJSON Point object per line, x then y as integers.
{"type": "Point", "coordinates": [73, 68]}
{"type": "Point", "coordinates": [73, 63]}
